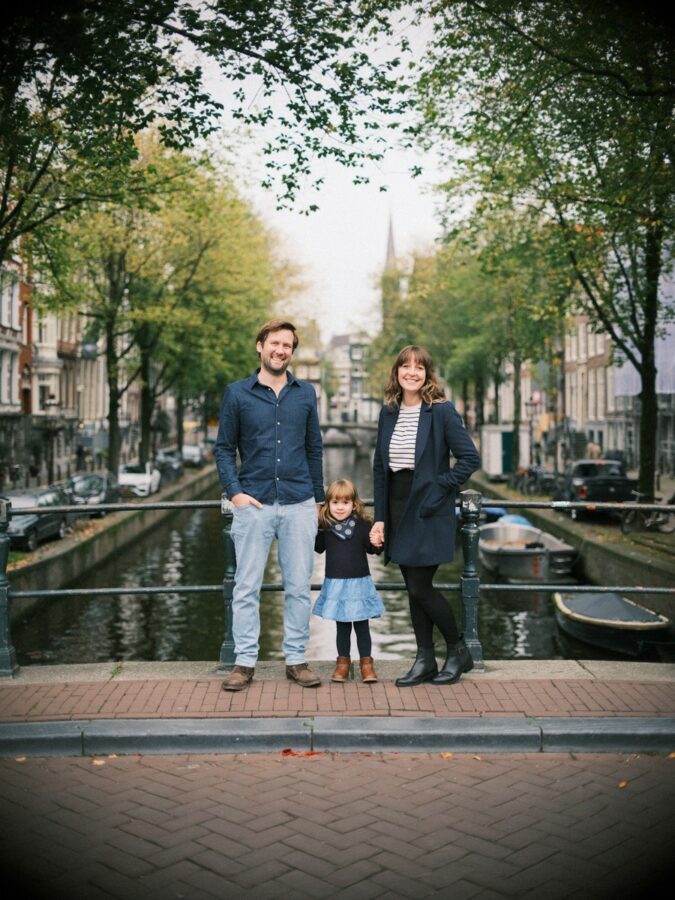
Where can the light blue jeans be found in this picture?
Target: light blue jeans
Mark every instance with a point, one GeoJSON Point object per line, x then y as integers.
{"type": "Point", "coordinates": [294, 526]}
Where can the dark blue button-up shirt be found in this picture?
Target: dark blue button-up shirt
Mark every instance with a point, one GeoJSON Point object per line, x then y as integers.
{"type": "Point", "coordinates": [278, 439]}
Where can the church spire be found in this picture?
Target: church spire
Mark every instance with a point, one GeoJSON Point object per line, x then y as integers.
{"type": "Point", "coordinates": [390, 260]}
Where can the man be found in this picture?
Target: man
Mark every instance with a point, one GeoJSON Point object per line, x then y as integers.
{"type": "Point", "coordinates": [271, 419]}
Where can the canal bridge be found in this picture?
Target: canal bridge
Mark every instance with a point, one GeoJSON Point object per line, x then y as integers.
{"type": "Point", "coordinates": [361, 435]}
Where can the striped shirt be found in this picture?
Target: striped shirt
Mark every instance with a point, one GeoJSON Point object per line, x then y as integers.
{"type": "Point", "coordinates": [402, 446]}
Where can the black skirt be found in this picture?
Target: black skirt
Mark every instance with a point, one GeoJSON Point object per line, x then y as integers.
{"type": "Point", "coordinates": [399, 490]}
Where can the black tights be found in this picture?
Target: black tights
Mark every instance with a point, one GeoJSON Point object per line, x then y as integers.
{"type": "Point", "coordinates": [344, 638]}
{"type": "Point", "coordinates": [428, 607]}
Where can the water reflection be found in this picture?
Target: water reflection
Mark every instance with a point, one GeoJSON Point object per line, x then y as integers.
{"type": "Point", "coordinates": [189, 550]}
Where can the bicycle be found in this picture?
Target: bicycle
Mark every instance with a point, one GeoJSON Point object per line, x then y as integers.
{"type": "Point", "coordinates": [539, 480]}
{"type": "Point", "coordinates": [636, 519]}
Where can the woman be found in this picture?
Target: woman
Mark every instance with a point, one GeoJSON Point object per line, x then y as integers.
{"type": "Point", "coordinates": [415, 491]}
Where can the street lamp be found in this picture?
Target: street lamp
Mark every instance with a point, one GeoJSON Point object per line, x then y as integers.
{"type": "Point", "coordinates": [53, 423]}
{"type": "Point", "coordinates": [531, 406]}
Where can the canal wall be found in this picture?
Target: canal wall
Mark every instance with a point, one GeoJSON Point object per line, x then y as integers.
{"type": "Point", "coordinates": [59, 563]}
{"type": "Point", "coordinates": [607, 555]}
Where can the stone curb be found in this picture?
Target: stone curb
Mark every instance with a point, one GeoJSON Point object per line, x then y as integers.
{"type": "Point", "coordinates": [340, 735]}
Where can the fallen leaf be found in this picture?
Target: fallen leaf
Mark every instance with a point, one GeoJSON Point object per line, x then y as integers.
{"type": "Point", "coordinates": [112, 756]}
{"type": "Point", "coordinates": [447, 755]}
{"type": "Point", "coordinates": [622, 784]}
{"type": "Point", "coordinates": [671, 756]}
{"type": "Point", "coordinates": [20, 759]}
{"type": "Point", "coordinates": [289, 752]}
{"type": "Point", "coordinates": [98, 762]}
{"type": "Point", "coordinates": [477, 757]}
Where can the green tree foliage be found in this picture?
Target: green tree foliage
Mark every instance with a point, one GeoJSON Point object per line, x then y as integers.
{"type": "Point", "coordinates": [493, 294]}
{"type": "Point", "coordinates": [80, 78]}
{"type": "Point", "coordinates": [177, 289]}
{"type": "Point", "coordinates": [567, 110]}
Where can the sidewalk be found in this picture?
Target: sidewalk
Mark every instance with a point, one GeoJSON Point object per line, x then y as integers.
{"type": "Point", "coordinates": [145, 781]}
{"type": "Point", "coordinates": [548, 706]}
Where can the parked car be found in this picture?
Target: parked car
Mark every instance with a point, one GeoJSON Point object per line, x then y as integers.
{"type": "Point", "coordinates": [596, 481]}
{"type": "Point", "coordinates": [93, 488]}
{"type": "Point", "coordinates": [194, 455]}
{"type": "Point", "coordinates": [27, 530]}
{"type": "Point", "coordinates": [169, 464]}
{"type": "Point", "coordinates": [139, 481]}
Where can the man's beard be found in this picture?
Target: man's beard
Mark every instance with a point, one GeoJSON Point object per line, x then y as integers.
{"type": "Point", "coordinates": [279, 370]}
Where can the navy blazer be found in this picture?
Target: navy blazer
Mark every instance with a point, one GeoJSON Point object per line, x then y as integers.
{"type": "Point", "coordinates": [426, 533]}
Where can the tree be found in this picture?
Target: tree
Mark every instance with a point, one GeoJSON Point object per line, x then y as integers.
{"type": "Point", "coordinates": [567, 110]}
{"type": "Point", "coordinates": [80, 78]}
{"type": "Point", "coordinates": [175, 290]}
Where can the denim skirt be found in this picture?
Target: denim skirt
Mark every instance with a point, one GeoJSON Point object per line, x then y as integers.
{"type": "Point", "coordinates": [348, 600]}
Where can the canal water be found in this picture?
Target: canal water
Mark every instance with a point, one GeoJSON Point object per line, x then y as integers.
{"type": "Point", "coordinates": [189, 550]}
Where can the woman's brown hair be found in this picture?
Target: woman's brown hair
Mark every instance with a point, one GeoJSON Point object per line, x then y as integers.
{"type": "Point", "coordinates": [342, 489]}
{"type": "Point", "coordinates": [431, 392]}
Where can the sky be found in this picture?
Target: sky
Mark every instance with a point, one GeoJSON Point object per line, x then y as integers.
{"type": "Point", "coordinates": [341, 248]}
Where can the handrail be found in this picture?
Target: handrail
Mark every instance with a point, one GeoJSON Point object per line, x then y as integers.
{"type": "Point", "coordinates": [617, 506]}
{"type": "Point", "coordinates": [469, 586]}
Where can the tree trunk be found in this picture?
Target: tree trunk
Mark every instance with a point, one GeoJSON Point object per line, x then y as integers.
{"type": "Point", "coordinates": [465, 400]}
{"type": "Point", "coordinates": [479, 388]}
{"type": "Point", "coordinates": [648, 398]}
{"type": "Point", "coordinates": [180, 415]}
{"type": "Point", "coordinates": [114, 396]}
{"type": "Point", "coordinates": [147, 406]}
{"type": "Point", "coordinates": [497, 378]}
{"type": "Point", "coordinates": [115, 267]}
{"type": "Point", "coordinates": [515, 445]}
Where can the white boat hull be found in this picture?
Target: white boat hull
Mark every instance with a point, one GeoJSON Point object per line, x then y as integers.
{"type": "Point", "coordinates": [524, 553]}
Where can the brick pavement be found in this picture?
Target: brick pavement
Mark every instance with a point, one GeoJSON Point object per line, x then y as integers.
{"type": "Point", "coordinates": [203, 698]}
{"type": "Point", "coordinates": [327, 825]}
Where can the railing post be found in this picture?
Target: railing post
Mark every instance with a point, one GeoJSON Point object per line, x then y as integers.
{"type": "Point", "coordinates": [470, 582]}
{"type": "Point", "coordinates": [8, 663]}
{"type": "Point", "coordinates": [227, 656]}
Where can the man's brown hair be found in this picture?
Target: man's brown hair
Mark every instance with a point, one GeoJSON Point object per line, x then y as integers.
{"type": "Point", "coordinates": [277, 325]}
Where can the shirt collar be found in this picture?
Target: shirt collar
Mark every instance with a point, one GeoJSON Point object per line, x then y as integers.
{"type": "Point", "coordinates": [253, 379]}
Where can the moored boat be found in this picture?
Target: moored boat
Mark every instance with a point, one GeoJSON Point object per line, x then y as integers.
{"type": "Point", "coordinates": [608, 620]}
{"type": "Point", "coordinates": [522, 552]}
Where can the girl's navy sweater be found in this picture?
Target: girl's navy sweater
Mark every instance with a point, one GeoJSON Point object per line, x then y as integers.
{"type": "Point", "coordinates": [346, 558]}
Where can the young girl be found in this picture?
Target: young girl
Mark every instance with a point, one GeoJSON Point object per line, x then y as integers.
{"type": "Point", "coordinates": [348, 596]}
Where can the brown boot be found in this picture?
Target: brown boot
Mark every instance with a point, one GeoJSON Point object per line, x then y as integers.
{"type": "Point", "coordinates": [368, 673]}
{"type": "Point", "coordinates": [341, 672]}
{"type": "Point", "coordinates": [239, 678]}
{"type": "Point", "coordinates": [302, 675]}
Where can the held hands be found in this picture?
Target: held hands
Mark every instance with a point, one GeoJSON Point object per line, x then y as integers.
{"type": "Point", "coordinates": [241, 500]}
{"type": "Point", "coordinates": [377, 535]}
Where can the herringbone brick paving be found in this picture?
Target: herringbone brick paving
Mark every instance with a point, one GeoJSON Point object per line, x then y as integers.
{"type": "Point", "coordinates": [181, 698]}
{"type": "Point", "coordinates": [328, 825]}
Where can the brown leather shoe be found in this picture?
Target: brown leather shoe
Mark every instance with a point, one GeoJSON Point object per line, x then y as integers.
{"type": "Point", "coordinates": [341, 672]}
{"type": "Point", "coordinates": [239, 678]}
{"type": "Point", "coordinates": [302, 675]}
{"type": "Point", "coordinates": [368, 673]}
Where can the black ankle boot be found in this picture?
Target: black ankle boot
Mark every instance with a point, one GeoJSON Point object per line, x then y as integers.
{"type": "Point", "coordinates": [423, 669]}
{"type": "Point", "coordinates": [456, 662]}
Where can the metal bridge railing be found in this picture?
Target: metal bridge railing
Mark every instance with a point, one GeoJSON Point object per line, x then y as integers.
{"type": "Point", "coordinates": [469, 586]}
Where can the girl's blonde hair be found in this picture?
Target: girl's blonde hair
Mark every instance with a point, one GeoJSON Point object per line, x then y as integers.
{"type": "Point", "coordinates": [431, 392]}
{"type": "Point", "coordinates": [342, 489]}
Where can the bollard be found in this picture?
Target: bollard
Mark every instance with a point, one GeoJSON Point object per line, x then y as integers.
{"type": "Point", "coordinates": [8, 663]}
{"type": "Point", "coordinates": [470, 582]}
{"type": "Point", "coordinates": [227, 656]}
